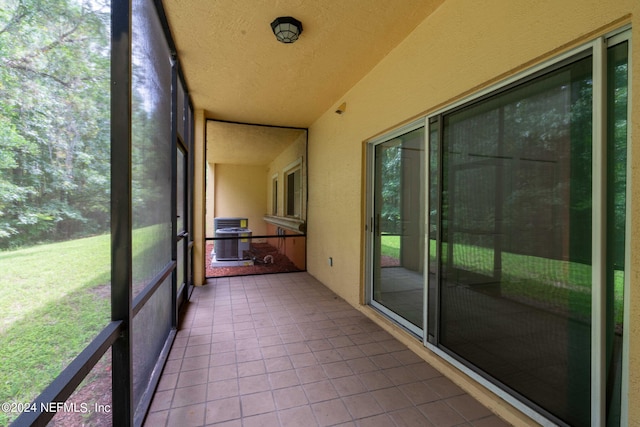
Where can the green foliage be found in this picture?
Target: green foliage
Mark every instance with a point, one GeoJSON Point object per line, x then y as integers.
{"type": "Point", "coordinates": [391, 165]}
{"type": "Point", "coordinates": [54, 120]}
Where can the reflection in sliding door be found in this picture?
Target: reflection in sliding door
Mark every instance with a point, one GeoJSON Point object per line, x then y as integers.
{"type": "Point", "coordinates": [516, 283]}
{"type": "Point", "coordinates": [398, 232]}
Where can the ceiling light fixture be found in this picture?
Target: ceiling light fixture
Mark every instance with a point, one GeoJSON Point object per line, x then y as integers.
{"type": "Point", "coordinates": [286, 29]}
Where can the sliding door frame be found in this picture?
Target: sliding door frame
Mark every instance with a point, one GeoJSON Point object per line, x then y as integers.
{"type": "Point", "coordinates": [598, 50]}
{"type": "Point", "coordinates": [370, 254]}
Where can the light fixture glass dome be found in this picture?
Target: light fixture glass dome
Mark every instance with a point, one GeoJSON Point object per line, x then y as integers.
{"type": "Point", "coordinates": [286, 29]}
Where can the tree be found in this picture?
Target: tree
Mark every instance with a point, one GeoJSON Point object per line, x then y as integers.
{"type": "Point", "coordinates": [54, 120]}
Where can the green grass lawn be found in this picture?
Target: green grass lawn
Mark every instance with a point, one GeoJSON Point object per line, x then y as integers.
{"type": "Point", "coordinates": [31, 278]}
{"type": "Point", "coordinates": [55, 299]}
{"type": "Point", "coordinates": [553, 283]}
{"type": "Point", "coordinates": [390, 246]}
{"type": "Point", "coordinates": [52, 306]}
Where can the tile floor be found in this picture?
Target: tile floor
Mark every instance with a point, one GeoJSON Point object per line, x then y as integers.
{"type": "Point", "coordinates": [283, 350]}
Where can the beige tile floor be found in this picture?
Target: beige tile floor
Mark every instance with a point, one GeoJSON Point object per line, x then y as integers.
{"type": "Point", "coordinates": [283, 350]}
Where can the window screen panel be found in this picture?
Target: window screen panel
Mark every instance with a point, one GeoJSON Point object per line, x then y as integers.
{"type": "Point", "coordinates": [515, 292]}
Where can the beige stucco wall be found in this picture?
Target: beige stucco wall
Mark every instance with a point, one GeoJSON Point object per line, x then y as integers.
{"type": "Point", "coordinates": [463, 47]}
{"type": "Point", "coordinates": [239, 192]}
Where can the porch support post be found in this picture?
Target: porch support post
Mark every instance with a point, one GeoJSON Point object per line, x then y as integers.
{"type": "Point", "coordinates": [121, 218]}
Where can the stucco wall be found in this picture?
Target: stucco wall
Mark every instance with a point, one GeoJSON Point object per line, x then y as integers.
{"type": "Point", "coordinates": [461, 48]}
{"type": "Point", "coordinates": [239, 192]}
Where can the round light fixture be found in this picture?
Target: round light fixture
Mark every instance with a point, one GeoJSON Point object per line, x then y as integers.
{"type": "Point", "coordinates": [286, 29]}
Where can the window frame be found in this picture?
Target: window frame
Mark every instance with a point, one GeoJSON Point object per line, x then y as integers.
{"type": "Point", "coordinates": [369, 249]}
{"type": "Point", "coordinates": [289, 170]}
{"type": "Point", "coordinates": [274, 194]}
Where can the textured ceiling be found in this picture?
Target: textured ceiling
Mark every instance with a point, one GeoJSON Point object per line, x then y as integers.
{"type": "Point", "coordinates": [236, 70]}
{"type": "Point", "coordinates": [238, 144]}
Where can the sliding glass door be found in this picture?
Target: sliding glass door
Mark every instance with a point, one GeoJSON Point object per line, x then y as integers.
{"type": "Point", "coordinates": [530, 236]}
{"type": "Point", "coordinates": [398, 228]}
{"type": "Point", "coordinates": [524, 243]}
{"type": "Point", "coordinates": [516, 279]}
